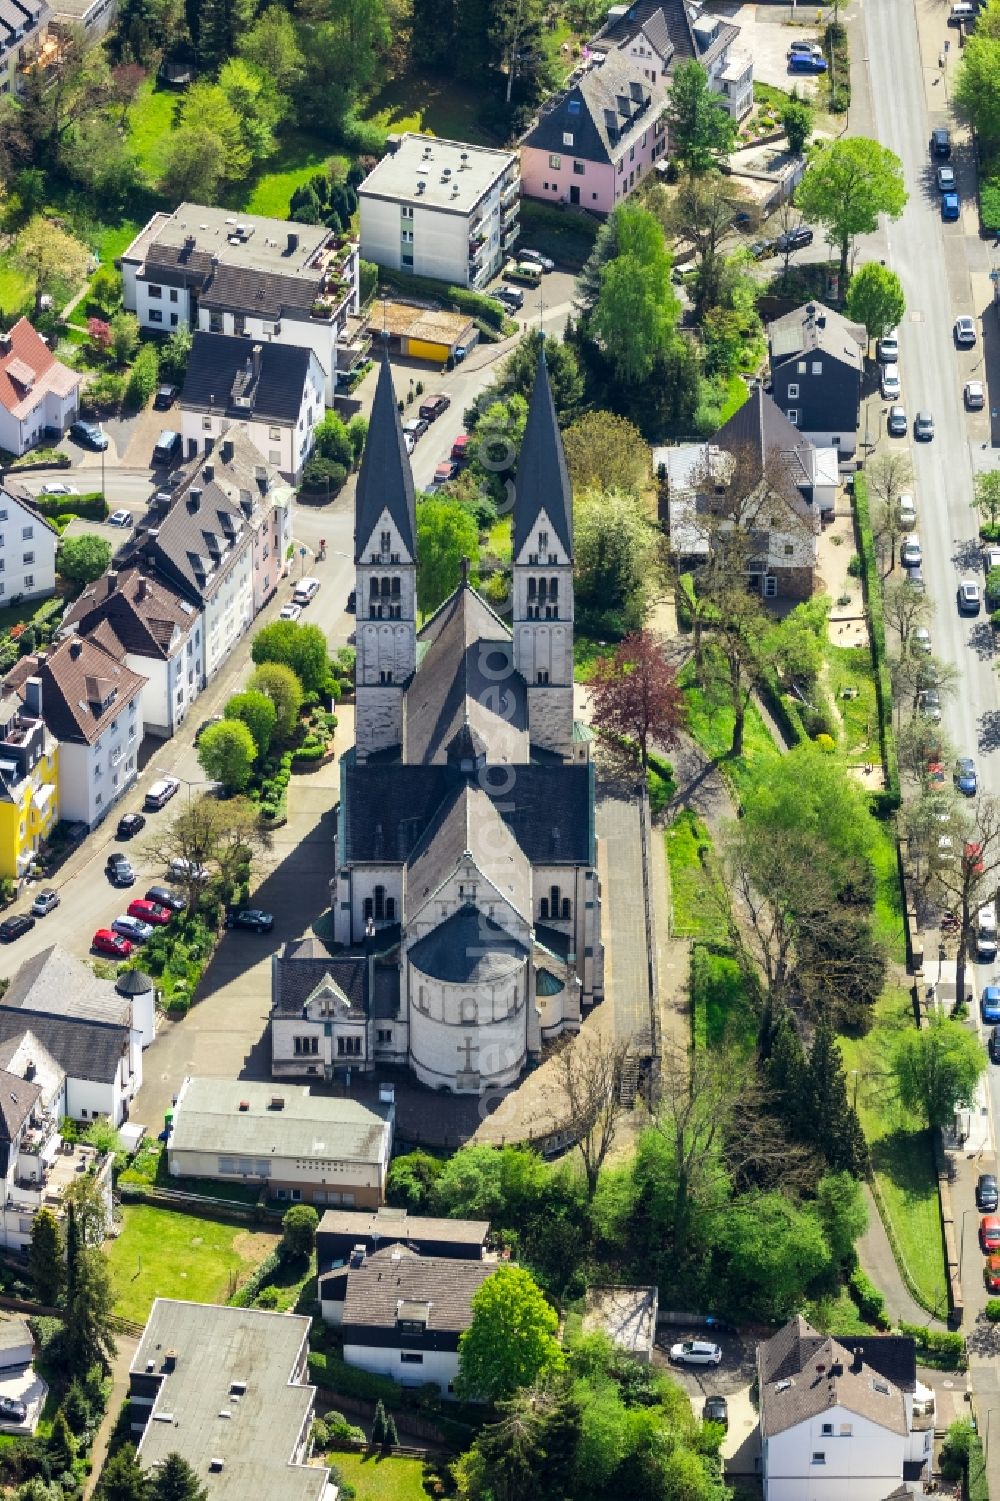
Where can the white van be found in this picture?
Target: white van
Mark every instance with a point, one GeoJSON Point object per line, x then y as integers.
{"type": "Point", "coordinates": [907, 513]}
{"type": "Point", "coordinates": [986, 932]}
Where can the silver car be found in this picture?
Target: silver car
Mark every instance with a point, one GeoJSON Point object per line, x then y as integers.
{"type": "Point", "coordinates": [891, 387]}
{"type": "Point", "coordinates": [133, 928]}
{"type": "Point", "coordinates": [911, 553]}
{"type": "Point", "coordinates": [695, 1352]}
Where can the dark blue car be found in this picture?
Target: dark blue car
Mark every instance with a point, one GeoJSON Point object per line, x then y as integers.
{"type": "Point", "coordinates": [990, 1003]}
{"type": "Point", "coordinates": [806, 62]}
{"type": "Point", "coordinates": [965, 776]}
{"type": "Point", "coordinates": [950, 206]}
{"type": "Point", "coordinates": [89, 435]}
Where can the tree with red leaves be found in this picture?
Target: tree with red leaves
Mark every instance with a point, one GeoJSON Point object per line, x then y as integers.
{"type": "Point", "coordinates": [635, 700]}
{"type": "Point", "coordinates": [99, 333]}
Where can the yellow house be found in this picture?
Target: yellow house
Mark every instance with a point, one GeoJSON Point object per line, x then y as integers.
{"type": "Point", "coordinates": [29, 780]}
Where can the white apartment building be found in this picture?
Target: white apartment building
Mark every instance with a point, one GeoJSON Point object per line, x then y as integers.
{"type": "Point", "coordinates": [443, 209]}
{"type": "Point", "coordinates": [23, 24]}
{"type": "Point", "coordinates": [28, 545]}
{"type": "Point", "coordinates": [269, 280]}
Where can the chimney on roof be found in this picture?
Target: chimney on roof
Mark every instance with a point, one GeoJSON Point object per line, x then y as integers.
{"type": "Point", "coordinates": [141, 589]}
{"type": "Point", "coordinates": [6, 343]}
{"type": "Point", "coordinates": [112, 580]}
{"type": "Point", "coordinates": [33, 697]}
{"type": "Point", "coordinates": [194, 498]}
{"type": "Point", "coordinates": [859, 1359]}
{"type": "Point", "coordinates": [293, 242]}
{"type": "Point", "coordinates": [75, 648]}
{"type": "Point", "coordinates": [170, 1360]}
{"type": "Point", "coordinates": [29, 1070]}
{"type": "Point", "coordinates": [227, 450]}
{"type": "Point", "coordinates": [208, 472]}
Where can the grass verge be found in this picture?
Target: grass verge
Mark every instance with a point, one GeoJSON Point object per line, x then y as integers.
{"type": "Point", "coordinates": [901, 1150]}
{"type": "Point", "coordinates": [164, 1254]}
{"type": "Point", "coordinates": [721, 1010]}
{"type": "Point", "coordinates": [710, 722]}
{"type": "Point", "coordinates": [698, 897]}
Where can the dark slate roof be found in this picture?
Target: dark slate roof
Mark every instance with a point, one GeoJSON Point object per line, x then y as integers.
{"type": "Point", "coordinates": [789, 1351]}
{"type": "Point", "coordinates": [659, 19]}
{"type": "Point", "coordinates": [815, 329]}
{"type": "Point", "coordinates": [542, 476]}
{"type": "Point", "coordinates": [84, 1049]}
{"type": "Point", "coordinates": [145, 614]}
{"type": "Point", "coordinates": [17, 1096]}
{"type": "Point", "coordinates": [782, 452]}
{"type": "Point", "coordinates": [804, 1374]}
{"type": "Point", "coordinates": [465, 676]}
{"type": "Point", "coordinates": [197, 543]}
{"type": "Point", "coordinates": [468, 948]}
{"type": "Point", "coordinates": [271, 376]}
{"type": "Point", "coordinates": [552, 939]}
{"type": "Point", "coordinates": [468, 823]}
{"type": "Point", "coordinates": [245, 289]}
{"type": "Point", "coordinates": [600, 112]}
{"type": "Point", "coordinates": [386, 1278]}
{"type": "Point", "coordinates": [133, 982]}
{"type": "Point", "coordinates": [78, 677]}
{"type": "Point", "coordinates": [894, 1356]}
{"type": "Point", "coordinates": [385, 479]}
{"type": "Point", "coordinates": [370, 989]}
{"type": "Point", "coordinates": [388, 808]}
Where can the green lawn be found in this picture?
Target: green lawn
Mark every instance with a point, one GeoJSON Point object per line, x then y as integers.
{"type": "Point", "coordinates": [587, 653]}
{"type": "Point", "coordinates": [150, 121]}
{"type": "Point", "coordinates": [710, 722]}
{"type": "Point", "coordinates": [382, 1479]}
{"type": "Point", "coordinates": [163, 1254]}
{"type": "Point", "coordinates": [435, 106]}
{"type": "Point", "coordinates": [737, 392]}
{"type": "Point", "coordinates": [723, 1014]}
{"type": "Point", "coordinates": [851, 667]}
{"type": "Point", "coordinates": [269, 190]}
{"type": "Point", "coordinates": [16, 289]}
{"type": "Point", "coordinates": [698, 898]}
{"type": "Point", "coordinates": [837, 1313]}
{"type": "Point", "coordinates": [902, 1152]}
{"type": "Point", "coordinates": [888, 915]}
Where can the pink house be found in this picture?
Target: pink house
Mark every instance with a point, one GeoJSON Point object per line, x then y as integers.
{"type": "Point", "coordinates": [598, 140]}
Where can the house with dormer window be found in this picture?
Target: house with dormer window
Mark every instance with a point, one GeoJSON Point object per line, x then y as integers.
{"type": "Point", "coordinates": [39, 395]}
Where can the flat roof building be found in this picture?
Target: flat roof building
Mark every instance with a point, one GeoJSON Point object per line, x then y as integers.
{"type": "Point", "coordinates": [439, 208]}
{"type": "Point", "coordinates": [225, 1388]}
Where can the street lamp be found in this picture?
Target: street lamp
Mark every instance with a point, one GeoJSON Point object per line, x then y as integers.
{"type": "Point", "coordinates": [189, 783]}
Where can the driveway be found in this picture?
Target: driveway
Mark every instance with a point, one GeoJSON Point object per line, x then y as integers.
{"type": "Point", "coordinates": [765, 33]}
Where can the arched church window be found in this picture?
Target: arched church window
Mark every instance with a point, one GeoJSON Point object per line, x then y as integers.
{"type": "Point", "coordinates": [390, 909]}
{"type": "Point", "coordinates": [543, 907]}
{"type": "Point", "coordinates": [554, 900]}
{"type": "Point", "coordinates": [386, 587]}
{"type": "Point", "coordinates": [395, 587]}
{"type": "Point", "coordinates": [373, 586]}
{"type": "Point", "coordinates": [532, 588]}
{"type": "Point", "coordinates": [379, 903]}
{"type": "Point", "coordinates": [553, 588]}
{"type": "Point", "coordinates": [385, 541]}
{"type": "Point", "coordinates": [567, 909]}
{"type": "Point", "coordinates": [470, 1010]}
{"type": "Point", "coordinates": [541, 589]}
{"type": "Point", "coordinates": [368, 908]}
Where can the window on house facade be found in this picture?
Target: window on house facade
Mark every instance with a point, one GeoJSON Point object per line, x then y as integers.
{"type": "Point", "coordinates": [411, 1357]}
{"type": "Point", "coordinates": [206, 424]}
{"type": "Point", "coordinates": [306, 1045]}
{"type": "Point", "coordinates": [27, 532]}
{"type": "Point", "coordinates": [29, 580]}
{"type": "Point", "coordinates": [348, 1047]}
{"type": "Point", "coordinates": [793, 416]}
{"type": "Point", "coordinates": [567, 138]}
{"type": "Point", "coordinates": [579, 168]}
{"type": "Point", "coordinates": [555, 162]}
{"type": "Point", "coordinates": [793, 392]}
{"type": "Point", "coordinates": [817, 367]}
{"type": "Point", "coordinates": [406, 211]}
{"type": "Point", "coordinates": [156, 291]}
{"type": "Point", "coordinates": [384, 1034]}
{"type": "Point", "coordinates": [541, 677]}
{"type": "Point", "coordinates": [28, 557]}
{"type": "Point", "coordinates": [155, 315]}
{"type": "Point", "coordinates": [819, 1457]}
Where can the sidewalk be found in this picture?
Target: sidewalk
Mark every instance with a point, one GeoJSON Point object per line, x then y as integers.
{"type": "Point", "coordinates": [127, 1346]}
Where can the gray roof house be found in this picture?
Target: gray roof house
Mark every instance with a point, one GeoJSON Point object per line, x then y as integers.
{"type": "Point", "coordinates": [341, 1231]}
{"type": "Point", "coordinates": [817, 360]}
{"type": "Point", "coordinates": [226, 1388]}
{"type": "Point", "coordinates": [313, 1148]}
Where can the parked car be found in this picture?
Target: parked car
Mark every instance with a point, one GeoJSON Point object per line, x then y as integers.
{"type": "Point", "coordinates": [897, 422]}
{"type": "Point", "coordinates": [703, 1352]}
{"type": "Point", "coordinates": [808, 49]}
{"type": "Point", "coordinates": [929, 704]}
{"type": "Point", "coordinates": [888, 349]}
{"type": "Point", "coordinates": [206, 724]}
{"type": "Point", "coordinates": [962, 10]}
{"type": "Point", "coordinates": [987, 1193]}
{"type": "Point", "coordinates": [911, 552]}
{"type": "Point", "coordinates": [132, 928]}
{"type": "Point", "coordinates": [974, 395]}
{"type": "Point", "coordinates": [989, 1232]}
{"type": "Point", "coordinates": [715, 1410]}
{"type": "Point", "coordinates": [89, 435]}
{"type": "Point", "coordinates": [946, 179]}
{"type": "Point", "coordinates": [914, 576]}
{"type": "Point", "coordinates": [511, 297]}
{"type": "Point", "coordinates": [181, 869]}
{"type": "Point", "coordinates": [923, 427]}
{"type": "Point", "coordinates": [941, 142]}
{"type": "Point", "coordinates": [433, 407]}
{"type": "Point", "coordinates": [993, 1046]}
{"type": "Point", "coordinates": [164, 897]}
{"type": "Point", "coordinates": [290, 611]}
{"type": "Point", "coordinates": [890, 383]}
{"type": "Point", "coordinates": [965, 331]}
{"type": "Point", "coordinates": [794, 239]}
{"type": "Point", "coordinates": [991, 1273]}
{"type": "Point", "coordinates": [972, 857]}
{"type": "Point", "coordinates": [12, 1410]}
{"type": "Point", "coordinates": [460, 448]}
{"type": "Point", "coordinates": [120, 518]}
{"type": "Point", "coordinates": [118, 868]}
{"type": "Point", "coordinates": [965, 776]}
{"type": "Point", "coordinates": [416, 427]}
{"type": "Point", "coordinates": [951, 206]}
{"type": "Point", "coordinates": [536, 258]}
{"type": "Point", "coordinates": [58, 487]}
{"type": "Point", "coordinates": [149, 912]}
{"type": "Point", "coordinates": [16, 926]}
{"type": "Point", "coordinates": [991, 559]}
{"type": "Point", "coordinates": [907, 512]}
{"type": "Point", "coordinates": [986, 932]}
{"type": "Point", "coordinates": [129, 825]}
{"type": "Point", "coordinates": [112, 944]}
{"type": "Point", "coordinates": [44, 902]}
{"type": "Point", "coordinates": [761, 249]}
{"type": "Point", "coordinates": [164, 398]}
{"type": "Point", "coordinates": [920, 640]}
{"type": "Point", "coordinates": [252, 918]}
{"type": "Point", "coordinates": [807, 62]}
{"type": "Point", "coordinates": [447, 470]}
{"type": "Point", "coordinates": [936, 778]}
{"type": "Point", "coordinates": [168, 447]}
{"type": "Point", "coordinates": [524, 271]}
{"type": "Point", "coordinates": [969, 598]}
{"type": "Point", "coordinates": [305, 590]}
{"type": "Point", "coordinates": [160, 794]}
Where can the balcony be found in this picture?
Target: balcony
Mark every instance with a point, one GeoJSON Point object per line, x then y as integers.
{"type": "Point", "coordinates": [510, 190]}
{"type": "Point", "coordinates": [508, 236]}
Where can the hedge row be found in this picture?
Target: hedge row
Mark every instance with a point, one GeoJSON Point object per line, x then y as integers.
{"type": "Point", "coordinates": [783, 710]}
{"type": "Point", "coordinates": [476, 304]}
{"type": "Point", "coordinates": [337, 1376]}
{"type": "Point", "coordinates": [869, 1300]}
{"type": "Point", "coordinates": [947, 1348]}
{"type": "Point", "coordinates": [93, 506]}
{"type": "Point", "coordinates": [244, 1296]}
{"type": "Point", "coordinates": [888, 801]}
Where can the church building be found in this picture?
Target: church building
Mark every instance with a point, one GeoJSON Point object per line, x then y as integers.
{"type": "Point", "coordinates": [466, 904]}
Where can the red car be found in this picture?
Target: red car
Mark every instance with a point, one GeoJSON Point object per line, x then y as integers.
{"type": "Point", "coordinates": [149, 911]}
{"type": "Point", "coordinates": [993, 1274]}
{"type": "Point", "coordinates": [460, 448]}
{"type": "Point", "coordinates": [936, 774]}
{"type": "Point", "coordinates": [115, 946]}
{"type": "Point", "coordinates": [989, 1232]}
{"type": "Point", "coordinates": [445, 471]}
{"type": "Point", "coordinates": [972, 858]}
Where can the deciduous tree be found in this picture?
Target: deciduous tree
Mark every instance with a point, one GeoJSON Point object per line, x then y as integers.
{"type": "Point", "coordinates": [848, 186]}
{"type": "Point", "coordinates": [936, 1069]}
{"type": "Point", "coordinates": [280, 684]}
{"type": "Point", "coordinates": [446, 533]}
{"type": "Point", "coordinates": [511, 1342]}
{"type": "Point", "coordinates": [796, 122]}
{"type": "Point", "coordinates": [272, 45]}
{"type": "Point", "coordinates": [876, 299]}
{"type": "Point", "coordinates": [904, 607]}
{"type": "Point", "coordinates": [613, 562]}
{"type": "Point", "coordinates": [636, 313]}
{"type": "Point", "coordinates": [195, 164]}
{"type": "Point", "coordinates": [701, 131]}
{"type": "Point", "coordinates": [969, 877]}
{"type": "Point", "coordinates": [605, 452]}
{"type": "Point", "coordinates": [298, 1231]}
{"type": "Point", "coordinates": [83, 559]}
{"type": "Point", "coordinates": [220, 837]}
{"type": "Point", "coordinates": [635, 699]}
{"type": "Point", "coordinates": [589, 1073]}
{"type": "Point", "coordinates": [976, 91]}
{"type": "Point", "coordinates": [890, 477]}
{"type": "Point", "coordinates": [986, 495]}
{"type": "Point", "coordinates": [51, 256]}
{"type": "Point", "coordinates": [226, 754]}
{"type": "Point", "coordinates": [300, 647]}
{"type": "Point", "coordinates": [258, 714]}
{"type": "Point", "coordinates": [703, 211]}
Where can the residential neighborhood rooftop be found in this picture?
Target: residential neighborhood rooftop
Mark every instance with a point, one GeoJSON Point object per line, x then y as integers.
{"type": "Point", "coordinates": [198, 233]}
{"type": "Point", "coordinates": [398, 1224]}
{"type": "Point", "coordinates": [230, 1399]}
{"type": "Point", "coordinates": [455, 174]}
{"type": "Point", "coordinates": [378, 1290]}
{"type": "Point", "coordinates": [224, 1116]}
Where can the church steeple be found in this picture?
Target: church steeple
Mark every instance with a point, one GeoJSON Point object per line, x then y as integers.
{"type": "Point", "coordinates": [543, 573]}
{"type": "Point", "coordinates": [385, 479]}
{"type": "Point", "coordinates": [385, 560]}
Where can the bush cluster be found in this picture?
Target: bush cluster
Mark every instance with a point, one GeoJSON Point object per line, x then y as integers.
{"type": "Point", "coordinates": [888, 801]}
{"type": "Point", "coordinates": [870, 1301]}
{"type": "Point", "coordinates": [476, 304]}
{"type": "Point", "coordinates": [945, 1347]}
{"type": "Point", "coordinates": [247, 1295]}
{"type": "Point", "coordinates": [92, 506]}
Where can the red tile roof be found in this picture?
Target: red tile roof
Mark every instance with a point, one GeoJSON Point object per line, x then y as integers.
{"type": "Point", "coordinates": [29, 368]}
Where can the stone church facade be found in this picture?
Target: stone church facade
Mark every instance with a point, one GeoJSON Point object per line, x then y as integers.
{"type": "Point", "coordinates": [466, 904]}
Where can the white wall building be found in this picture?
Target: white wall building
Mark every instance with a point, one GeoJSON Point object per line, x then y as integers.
{"type": "Point", "coordinates": [28, 546]}
{"type": "Point", "coordinates": [91, 700]}
{"type": "Point", "coordinates": [245, 275]}
{"type": "Point", "coordinates": [840, 1420]}
{"type": "Point", "coordinates": [23, 25]}
{"type": "Point", "coordinates": [39, 395]}
{"type": "Point", "coordinates": [441, 208]}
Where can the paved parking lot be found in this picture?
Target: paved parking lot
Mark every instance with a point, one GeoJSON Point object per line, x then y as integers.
{"type": "Point", "coordinates": [766, 34]}
{"type": "Point", "coordinates": [731, 1379]}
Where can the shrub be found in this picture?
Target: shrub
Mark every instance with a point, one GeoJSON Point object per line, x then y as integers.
{"type": "Point", "coordinates": [92, 507]}
{"type": "Point", "coordinates": [992, 1309]}
{"type": "Point", "coordinates": [320, 472]}
{"type": "Point", "coordinates": [888, 801]}
{"type": "Point", "coordinates": [476, 304]}
{"type": "Point", "coordinates": [143, 377]}
{"type": "Point", "coordinates": [989, 203]}
{"type": "Point", "coordinates": [947, 1348]}
{"type": "Point", "coordinates": [854, 567]}
{"type": "Point", "coordinates": [870, 1301]}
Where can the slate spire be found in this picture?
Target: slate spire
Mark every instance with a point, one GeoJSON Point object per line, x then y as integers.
{"type": "Point", "coordinates": [385, 480]}
{"type": "Point", "coordinates": [542, 477]}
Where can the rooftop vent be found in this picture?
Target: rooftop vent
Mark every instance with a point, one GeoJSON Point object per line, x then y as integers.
{"type": "Point", "coordinates": [169, 1360]}
{"type": "Point", "coordinates": [150, 1366]}
{"type": "Point", "coordinates": [293, 242]}
{"type": "Point", "coordinates": [224, 1412]}
{"type": "Point", "coordinates": [216, 1464]}
{"type": "Point", "coordinates": [783, 1386]}
{"type": "Point", "coordinates": [163, 1417]}
{"type": "Point", "coordinates": [421, 187]}
{"type": "Point", "coordinates": [277, 1102]}
{"type": "Point", "coordinates": [244, 1104]}
{"type": "Point", "coordinates": [237, 1388]}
